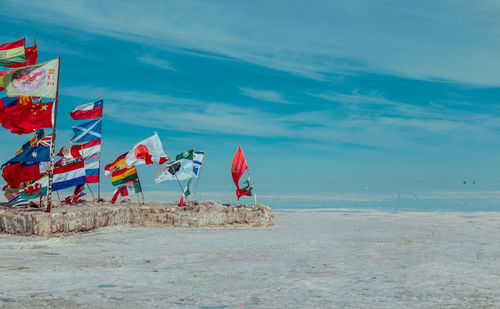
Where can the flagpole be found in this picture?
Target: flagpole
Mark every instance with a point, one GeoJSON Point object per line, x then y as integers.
{"type": "Point", "coordinates": [140, 186]}
{"type": "Point", "coordinates": [53, 142]}
{"type": "Point", "coordinates": [192, 175]}
{"type": "Point", "coordinates": [252, 186]}
{"type": "Point", "coordinates": [99, 182]}
{"type": "Point", "coordinates": [199, 172]}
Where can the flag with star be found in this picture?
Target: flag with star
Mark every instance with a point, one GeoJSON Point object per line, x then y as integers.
{"type": "Point", "coordinates": [39, 152]}
{"type": "Point", "coordinates": [26, 117]}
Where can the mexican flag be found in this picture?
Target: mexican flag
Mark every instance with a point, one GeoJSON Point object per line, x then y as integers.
{"type": "Point", "coordinates": [35, 190]}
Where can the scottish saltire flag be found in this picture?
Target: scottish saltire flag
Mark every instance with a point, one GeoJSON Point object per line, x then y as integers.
{"type": "Point", "coordinates": [87, 131]}
{"type": "Point", "coordinates": [68, 176]}
{"type": "Point", "coordinates": [197, 161]}
{"type": "Point", "coordinates": [87, 111]}
{"type": "Point", "coordinates": [92, 171]}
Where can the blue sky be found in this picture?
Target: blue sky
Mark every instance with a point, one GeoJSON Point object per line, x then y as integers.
{"type": "Point", "coordinates": [323, 96]}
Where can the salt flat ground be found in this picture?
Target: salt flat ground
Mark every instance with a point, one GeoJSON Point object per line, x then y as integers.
{"type": "Point", "coordinates": [310, 259]}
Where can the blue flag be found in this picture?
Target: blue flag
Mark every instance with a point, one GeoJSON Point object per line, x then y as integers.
{"type": "Point", "coordinates": [35, 153]}
{"type": "Point", "coordinates": [87, 131]}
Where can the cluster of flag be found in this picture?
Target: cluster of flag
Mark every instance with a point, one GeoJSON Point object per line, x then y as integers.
{"type": "Point", "coordinates": [27, 107]}
{"type": "Point", "coordinates": [80, 162]}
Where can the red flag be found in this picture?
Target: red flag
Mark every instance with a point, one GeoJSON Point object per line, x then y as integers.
{"type": "Point", "coordinates": [17, 173]}
{"type": "Point", "coordinates": [31, 56]}
{"type": "Point", "coordinates": [25, 118]}
{"type": "Point", "coordinates": [181, 202]}
{"type": "Point", "coordinates": [79, 192]}
{"type": "Point", "coordinates": [238, 167]}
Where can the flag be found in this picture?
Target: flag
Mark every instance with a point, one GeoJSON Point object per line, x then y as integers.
{"type": "Point", "coordinates": [92, 171]}
{"type": "Point", "coordinates": [147, 151]}
{"type": "Point", "coordinates": [17, 173]}
{"type": "Point", "coordinates": [187, 189]}
{"type": "Point", "coordinates": [80, 151]}
{"type": "Point", "coordinates": [87, 111]}
{"type": "Point", "coordinates": [126, 189]}
{"type": "Point", "coordinates": [246, 190]}
{"type": "Point", "coordinates": [36, 189]}
{"type": "Point", "coordinates": [238, 167]}
{"type": "Point", "coordinates": [25, 118]}
{"type": "Point", "coordinates": [181, 202]}
{"type": "Point", "coordinates": [68, 176]}
{"type": "Point", "coordinates": [33, 141]}
{"type": "Point", "coordinates": [13, 52]}
{"type": "Point", "coordinates": [197, 161]}
{"type": "Point", "coordinates": [39, 80]}
{"type": "Point", "coordinates": [87, 131]}
{"type": "Point", "coordinates": [117, 164]}
{"type": "Point", "coordinates": [123, 175]}
{"type": "Point", "coordinates": [18, 202]}
{"type": "Point", "coordinates": [188, 155]}
{"type": "Point", "coordinates": [31, 56]}
{"type": "Point", "coordinates": [78, 193]}
{"type": "Point", "coordinates": [2, 73]}
{"type": "Point", "coordinates": [183, 169]}
{"type": "Point", "coordinates": [39, 152]}
{"type": "Point", "coordinates": [9, 102]}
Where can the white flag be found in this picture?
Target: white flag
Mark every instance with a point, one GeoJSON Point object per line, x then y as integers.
{"type": "Point", "coordinates": [147, 151]}
{"type": "Point", "coordinates": [183, 169]}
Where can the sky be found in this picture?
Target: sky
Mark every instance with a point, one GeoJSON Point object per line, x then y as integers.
{"type": "Point", "coordinates": [323, 96]}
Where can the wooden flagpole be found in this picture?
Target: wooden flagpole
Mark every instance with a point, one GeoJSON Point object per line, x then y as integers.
{"type": "Point", "coordinates": [199, 172]}
{"type": "Point", "coordinates": [53, 142]}
{"type": "Point", "coordinates": [192, 176]}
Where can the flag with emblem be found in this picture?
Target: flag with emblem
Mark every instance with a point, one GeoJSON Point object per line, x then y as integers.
{"type": "Point", "coordinates": [26, 117]}
{"type": "Point", "coordinates": [177, 170]}
{"type": "Point", "coordinates": [31, 58]}
{"type": "Point", "coordinates": [36, 189]}
{"type": "Point", "coordinates": [39, 80]}
{"type": "Point", "coordinates": [87, 131]}
{"type": "Point", "coordinates": [87, 111]}
{"type": "Point", "coordinates": [13, 52]}
{"type": "Point", "coordinates": [39, 152]}
{"type": "Point", "coordinates": [85, 150]}
{"type": "Point", "coordinates": [147, 151]}
{"type": "Point", "coordinates": [2, 73]}
{"type": "Point", "coordinates": [126, 189]}
{"type": "Point", "coordinates": [119, 163]}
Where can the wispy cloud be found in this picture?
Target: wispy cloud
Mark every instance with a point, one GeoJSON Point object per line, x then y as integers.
{"type": "Point", "coordinates": [161, 63]}
{"type": "Point", "coordinates": [265, 95]}
{"type": "Point", "coordinates": [434, 40]}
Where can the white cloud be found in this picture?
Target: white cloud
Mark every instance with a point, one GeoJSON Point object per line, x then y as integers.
{"type": "Point", "coordinates": [265, 95]}
{"type": "Point", "coordinates": [161, 63]}
{"type": "Point", "coordinates": [454, 41]}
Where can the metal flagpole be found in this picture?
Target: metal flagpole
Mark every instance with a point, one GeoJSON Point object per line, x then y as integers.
{"type": "Point", "coordinates": [192, 175]}
{"type": "Point", "coordinates": [252, 186]}
{"type": "Point", "coordinates": [53, 142]}
{"type": "Point", "coordinates": [99, 182]}
{"type": "Point", "coordinates": [198, 177]}
{"type": "Point", "coordinates": [140, 186]}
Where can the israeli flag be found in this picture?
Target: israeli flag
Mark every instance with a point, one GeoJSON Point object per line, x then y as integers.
{"type": "Point", "coordinates": [87, 131]}
{"type": "Point", "coordinates": [197, 161]}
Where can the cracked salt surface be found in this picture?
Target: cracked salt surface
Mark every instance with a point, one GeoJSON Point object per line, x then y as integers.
{"type": "Point", "coordinates": [311, 259]}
